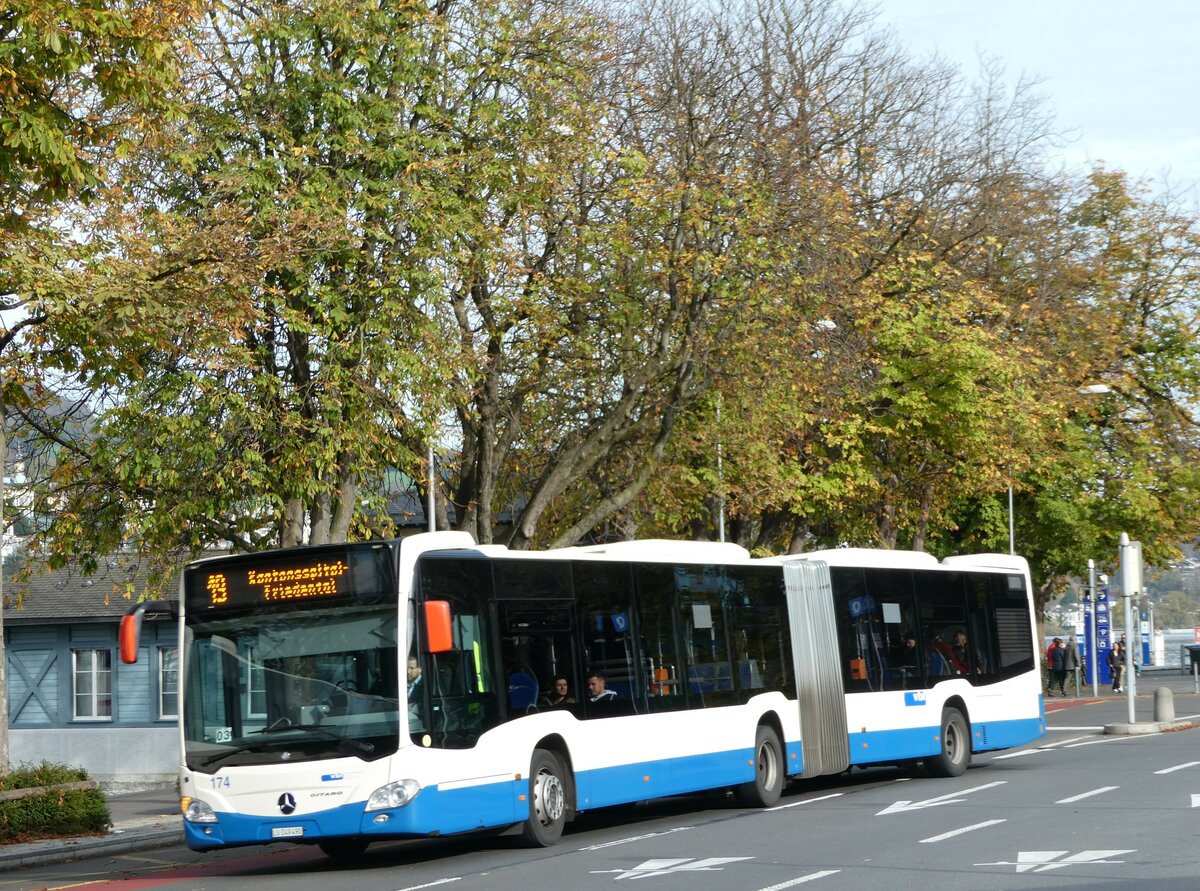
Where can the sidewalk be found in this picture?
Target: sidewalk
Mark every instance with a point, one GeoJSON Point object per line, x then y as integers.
{"type": "Point", "coordinates": [141, 821]}
{"type": "Point", "coordinates": [151, 819]}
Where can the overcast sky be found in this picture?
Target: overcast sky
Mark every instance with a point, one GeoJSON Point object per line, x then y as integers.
{"type": "Point", "coordinates": [1123, 77]}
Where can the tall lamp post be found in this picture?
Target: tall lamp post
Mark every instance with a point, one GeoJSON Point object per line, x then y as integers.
{"type": "Point", "coordinates": [1092, 629]}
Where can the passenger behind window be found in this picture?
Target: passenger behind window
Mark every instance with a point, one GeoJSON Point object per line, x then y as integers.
{"type": "Point", "coordinates": [965, 655]}
{"type": "Point", "coordinates": [601, 700]}
{"type": "Point", "coordinates": [903, 659]}
{"type": "Point", "coordinates": [559, 693]}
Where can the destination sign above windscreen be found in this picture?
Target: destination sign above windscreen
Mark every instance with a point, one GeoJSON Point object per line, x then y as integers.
{"type": "Point", "coordinates": [320, 575]}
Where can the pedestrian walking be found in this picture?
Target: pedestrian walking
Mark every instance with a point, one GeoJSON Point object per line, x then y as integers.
{"type": "Point", "coordinates": [1072, 661]}
{"type": "Point", "coordinates": [1116, 665]}
{"type": "Point", "coordinates": [1056, 658]}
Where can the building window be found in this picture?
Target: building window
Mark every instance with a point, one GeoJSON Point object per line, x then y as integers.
{"type": "Point", "coordinates": [91, 678]}
{"type": "Point", "coordinates": [168, 682]}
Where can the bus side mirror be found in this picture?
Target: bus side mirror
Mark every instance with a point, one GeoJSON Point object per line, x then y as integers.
{"type": "Point", "coordinates": [131, 625]}
{"type": "Point", "coordinates": [439, 638]}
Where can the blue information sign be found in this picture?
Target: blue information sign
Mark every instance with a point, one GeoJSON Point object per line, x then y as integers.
{"type": "Point", "coordinates": [1099, 615]}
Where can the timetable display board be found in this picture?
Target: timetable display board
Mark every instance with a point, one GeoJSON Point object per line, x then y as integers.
{"type": "Point", "coordinates": [290, 578]}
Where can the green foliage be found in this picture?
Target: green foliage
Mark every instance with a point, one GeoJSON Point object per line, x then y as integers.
{"type": "Point", "coordinates": [592, 256]}
{"type": "Point", "coordinates": [55, 813]}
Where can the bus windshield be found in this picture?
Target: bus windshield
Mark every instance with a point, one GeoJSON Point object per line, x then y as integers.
{"type": "Point", "coordinates": [301, 685]}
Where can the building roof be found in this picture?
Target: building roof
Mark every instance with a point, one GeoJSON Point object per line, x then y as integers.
{"type": "Point", "coordinates": [69, 595]}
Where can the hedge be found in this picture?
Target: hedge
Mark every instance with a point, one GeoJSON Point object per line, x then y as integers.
{"type": "Point", "coordinates": [50, 800]}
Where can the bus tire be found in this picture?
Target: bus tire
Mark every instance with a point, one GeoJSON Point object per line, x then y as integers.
{"type": "Point", "coordinates": [766, 787]}
{"type": "Point", "coordinates": [955, 756]}
{"type": "Point", "coordinates": [343, 848]}
{"type": "Point", "coordinates": [547, 801]}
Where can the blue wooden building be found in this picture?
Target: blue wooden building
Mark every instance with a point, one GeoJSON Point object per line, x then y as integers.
{"type": "Point", "coordinates": [70, 700]}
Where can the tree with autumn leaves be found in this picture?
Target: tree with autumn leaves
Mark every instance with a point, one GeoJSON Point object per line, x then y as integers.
{"type": "Point", "coordinates": [80, 83]}
{"type": "Point", "coordinates": [585, 249]}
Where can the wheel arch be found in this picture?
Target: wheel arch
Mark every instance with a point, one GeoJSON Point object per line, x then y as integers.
{"type": "Point", "coordinates": [771, 719]}
{"type": "Point", "coordinates": [957, 702]}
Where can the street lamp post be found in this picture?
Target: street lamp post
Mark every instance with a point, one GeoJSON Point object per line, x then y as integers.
{"type": "Point", "coordinates": [1130, 581]}
{"type": "Point", "coordinates": [1092, 630]}
{"type": "Point", "coordinates": [1012, 537]}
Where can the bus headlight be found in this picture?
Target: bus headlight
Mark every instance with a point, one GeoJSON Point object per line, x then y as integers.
{"type": "Point", "coordinates": [393, 795]}
{"type": "Point", "coordinates": [197, 811]}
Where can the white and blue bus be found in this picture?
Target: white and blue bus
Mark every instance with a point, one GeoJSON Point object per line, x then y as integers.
{"type": "Point", "coordinates": [345, 694]}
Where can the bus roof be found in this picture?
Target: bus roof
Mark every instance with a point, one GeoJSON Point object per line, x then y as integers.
{"type": "Point", "coordinates": [909, 559]}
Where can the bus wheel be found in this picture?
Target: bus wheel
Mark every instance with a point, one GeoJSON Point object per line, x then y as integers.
{"type": "Point", "coordinates": [547, 801]}
{"type": "Point", "coordinates": [956, 746]}
{"type": "Point", "coordinates": [766, 787]}
{"type": "Point", "coordinates": [343, 848]}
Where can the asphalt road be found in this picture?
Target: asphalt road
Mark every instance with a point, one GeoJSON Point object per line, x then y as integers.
{"type": "Point", "coordinates": [1080, 809]}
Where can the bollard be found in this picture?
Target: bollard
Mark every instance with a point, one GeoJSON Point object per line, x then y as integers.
{"type": "Point", "coordinates": [1164, 704]}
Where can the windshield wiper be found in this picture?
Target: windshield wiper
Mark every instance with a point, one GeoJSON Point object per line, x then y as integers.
{"type": "Point", "coordinates": [364, 747]}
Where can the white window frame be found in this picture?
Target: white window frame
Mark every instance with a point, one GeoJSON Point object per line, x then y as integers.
{"type": "Point", "coordinates": [255, 681]}
{"type": "Point", "coordinates": [168, 683]}
{"type": "Point", "coordinates": [95, 672]}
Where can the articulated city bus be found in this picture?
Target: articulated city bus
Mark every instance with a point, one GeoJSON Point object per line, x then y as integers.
{"type": "Point", "coordinates": [345, 694]}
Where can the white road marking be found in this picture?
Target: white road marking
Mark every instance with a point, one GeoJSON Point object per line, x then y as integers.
{"type": "Point", "coordinates": [783, 807]}
{"type": "Point", "coordinates": [1075, 798]}
{"type": "Point", "coordinates": [800, 881]}
{"type": "Point", "coordinates": [1073, 739]}
{"type": "Point", "coordinates": [662, 866]}
{"type": "Point", "coordinates": [431, 884]}
{"type": "Point", "coordinates": [1020, 754]}
{"type": "Point", "coordinates": [1044, 861]}
{"type": "Point", "coordinates": [625, 841]}
{"type": "Point", "coordinates": [954, 832]}
{"type": "Point", "coordinates": [1177, 767]}
{"type": "Point", "coordinates": [1107, 739]}
{"type": "Point", "coordinates": [949, 798]}
{"type": "Point", "coordinates": [1196, 801]}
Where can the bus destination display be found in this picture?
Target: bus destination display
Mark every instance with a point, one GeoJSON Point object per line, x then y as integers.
{"type": "Point", "coordinates": [312, 578]}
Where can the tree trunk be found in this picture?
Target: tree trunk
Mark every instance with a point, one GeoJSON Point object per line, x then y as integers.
{"type": "Point", "coordinates": [292, 531]}
{"type": "Point", "coordinates": [343, 505]}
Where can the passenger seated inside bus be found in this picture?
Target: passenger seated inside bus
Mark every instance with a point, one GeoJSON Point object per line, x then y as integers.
{"type": "Point", "coordinates": [904, 661]}
{"type": "Point", "coordinates": [559, 693]}
{"type": "Point", "coordinates": [603, 701]}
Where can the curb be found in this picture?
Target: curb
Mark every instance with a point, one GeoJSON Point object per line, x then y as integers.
{"type": "Point", "coordinates": [50, 851]}
{"type": "Point", "coordinates": [1141, 727]}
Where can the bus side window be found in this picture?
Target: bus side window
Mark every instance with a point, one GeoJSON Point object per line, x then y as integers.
{"type": "Point", "coordinates": [660, 638]}
{"type": "Point", "coordinates": [603, 594]}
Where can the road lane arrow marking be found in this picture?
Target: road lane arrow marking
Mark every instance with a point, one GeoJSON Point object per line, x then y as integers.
{"type": "Point", "coordinates": [1196, 801]}
{"type": "Point", "coordinates": [1044, 861]}
{"type": "Point", "coordinates": [663, 866]}
{"type": "Point", "coordinates": [903, 806]}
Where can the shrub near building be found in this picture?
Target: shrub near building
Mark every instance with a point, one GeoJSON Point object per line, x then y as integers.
{"type": "Point", "coordinates": [49, 800]}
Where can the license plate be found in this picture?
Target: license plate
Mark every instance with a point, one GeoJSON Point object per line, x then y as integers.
{"type": "Point", "coordinates": [286, 831]}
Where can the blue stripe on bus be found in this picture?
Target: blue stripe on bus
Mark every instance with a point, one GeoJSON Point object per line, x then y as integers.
{"type": "Point", "coordinates": [919, 742]}
{"type": "Point", "coordinates": [437, 811]}
{"type": "Point", "coordinates": [432, 812]}
{"type": "Point", "coordinates": [443, 812]}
